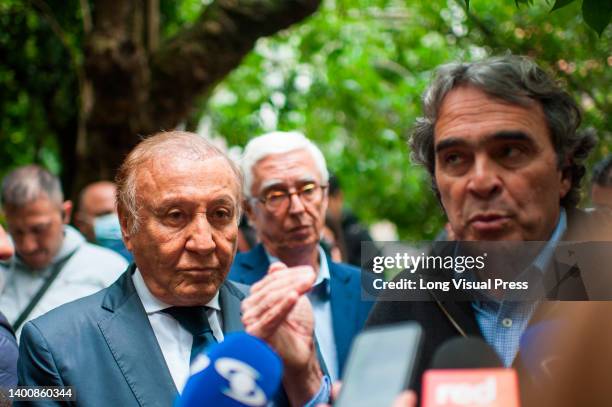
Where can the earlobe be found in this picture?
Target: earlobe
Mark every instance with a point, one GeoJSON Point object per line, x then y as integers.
{"type": "Point", "coordinates": [566, 185]}
{"type": "Point", "coordinates": [66, 211]}
{"type": "Point", "coordinates": [248, 210]}
{"type": "Point", "coordinates": [324, 204]}
{"type": "Point", "coordinates": [123, 222]}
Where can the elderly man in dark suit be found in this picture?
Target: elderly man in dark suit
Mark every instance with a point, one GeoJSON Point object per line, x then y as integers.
{"type": "Point", "coordinates": [286, 179]}
{"type": "Point", "coordinates": [131, 344]}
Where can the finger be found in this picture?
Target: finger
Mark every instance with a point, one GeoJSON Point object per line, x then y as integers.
{"type": "Point", "coordinates": [279, 273]}
{"type": "Point", "coordinates": [335, 390]}
{"type": "Point", "coordinates": [303, 276]}
{"type": "Point", "coordinates": [270, 321]}
{"type": "Point", "coordinates": [254, 309]}
{"type": "Point", "coordinates": [276, 266]}
{"type": "Point", "coordinates": [406, 398]}
{"type": "Point", "coordinates": [265, 293]}
{"type": "Point", "coordinates": [300, 281]}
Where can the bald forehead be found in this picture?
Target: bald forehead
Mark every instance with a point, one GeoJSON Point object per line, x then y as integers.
{"type": "Point", "coordinates": [160, 175]}
{"type": "Point", "coordinates": [97, 190]}
{"type": "Point", "coordinates": [98, 198]}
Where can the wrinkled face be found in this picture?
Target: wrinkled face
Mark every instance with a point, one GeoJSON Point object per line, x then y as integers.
{"type": "Point", "coordinates": [37, 230]}
{"type": "Point", "coordinates": [186, 239]}
{"type": "Point", "coordinates": [496, 168]}
{"type": "Point", "coordinates": [298, 224]}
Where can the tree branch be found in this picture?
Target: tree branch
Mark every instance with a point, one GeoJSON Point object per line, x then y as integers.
{"type": "Point", "coordinates": [200, 56]}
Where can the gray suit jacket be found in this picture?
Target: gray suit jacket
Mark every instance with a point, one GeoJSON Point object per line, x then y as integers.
{"type": "Point", "coordinates": [103, 345]}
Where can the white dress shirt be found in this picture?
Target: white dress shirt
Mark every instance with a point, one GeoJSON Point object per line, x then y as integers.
{"type": "Point", "coordinates": [174, 340]}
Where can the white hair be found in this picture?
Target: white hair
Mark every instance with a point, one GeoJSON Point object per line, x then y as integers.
{"type": "Point", "coordinates": [278, 142]}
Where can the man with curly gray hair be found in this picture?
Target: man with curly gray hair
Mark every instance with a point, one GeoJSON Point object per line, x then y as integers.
{"type": "Point", "coordinates": [499, 139]}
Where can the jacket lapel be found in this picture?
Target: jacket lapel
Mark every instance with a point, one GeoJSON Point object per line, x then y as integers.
{"type": "Point", "coordinates": [461, 316]}
{"type": "Point", "coordinates": [344, 309]}
{"type": "Point", "coordinates": [230, 298]}
{"type": "Point", "coordinates": [253, 265]}
{"type": "Point", "coordinates": [459, 313]}
{"type": "Point", "coordinates": [131, 339]}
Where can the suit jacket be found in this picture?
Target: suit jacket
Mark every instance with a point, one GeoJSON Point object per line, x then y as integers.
{"type": "Point", "coordinates": [349, 311]}
{"type": "Point", "coordinates": [105, 347]}
{"type": "Point", "coordinates": [8, 354]}
{"type": "Point", "coordinates": [442, 320]}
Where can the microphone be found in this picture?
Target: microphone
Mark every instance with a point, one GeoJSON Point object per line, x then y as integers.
{"type": "Point", "coordinates": [467, 372]}
{"type": "Point", "coordinates": [240, 371]}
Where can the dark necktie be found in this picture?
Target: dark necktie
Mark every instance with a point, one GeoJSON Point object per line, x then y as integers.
{"type": "Point", "coordinates": [195, 321]}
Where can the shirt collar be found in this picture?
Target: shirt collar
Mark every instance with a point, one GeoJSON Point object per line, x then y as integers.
{"type": "Point", "coordinates": [540, 262]}
{"type": "Point", "coordinates": [322, 275]}
{"type": "Point", "coordinates": [543, 259]}
{"type": "Point", "coordinates": [152, 304]}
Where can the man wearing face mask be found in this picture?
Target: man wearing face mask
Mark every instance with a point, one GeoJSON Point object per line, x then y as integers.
{"type": "Point", "coordinates": [53, 264]}
{"type": "Point", "coordinates": [97, 219]}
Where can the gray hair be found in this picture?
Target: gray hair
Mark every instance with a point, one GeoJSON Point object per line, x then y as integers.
{"type": "Point", "coordinates": [29, 183]}
{"type": "Point", "coordinates": [517, 80]}
{"type": "Point", "coordinates": [189, 146]}
{"type": "Point", "coordinates": [278, 142]}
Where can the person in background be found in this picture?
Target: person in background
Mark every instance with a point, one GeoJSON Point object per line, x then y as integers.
{"type": "Point", "coordinates": [8, 344]}
{"type": "Point", "coordinates": [330, 240]}
{"type": "Point", "coordinates": [52, 264]}
{"type": "Point", "coordinates": [352, 231]}
{"type": "Point", "coordinates": [246, 235]}
{"type": "Point", "coordinates": [285, 188]}
{"type": "Point", "coordinates": [601, 184]}
{"type": "Point", "coordinates": [96, 217]}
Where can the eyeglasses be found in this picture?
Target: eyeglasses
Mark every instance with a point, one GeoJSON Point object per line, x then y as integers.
{"type": "Point", "coordinates": [279, 199]}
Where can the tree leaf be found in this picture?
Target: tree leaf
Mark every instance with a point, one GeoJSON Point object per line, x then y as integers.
{"type": "Point", "coordinates": [519, 2]}
{"type": "Point", "coordinates": [561, 3]}
{"type": "Point", "coordinates": [597, 14]}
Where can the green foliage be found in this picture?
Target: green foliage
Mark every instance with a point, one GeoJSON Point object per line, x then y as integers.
{"type": "Point", "coordinates": [596, 13]}
{"type": "Point", "coordinates": [561, 3]}
{"type": "Point", "coordinates": [38, 90]}
{"type": "Point", "coordinates": [351, 78]}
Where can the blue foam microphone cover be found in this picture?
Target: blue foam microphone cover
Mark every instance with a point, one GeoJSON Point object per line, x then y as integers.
{"type": "Point", "coordinates": [240, 371]}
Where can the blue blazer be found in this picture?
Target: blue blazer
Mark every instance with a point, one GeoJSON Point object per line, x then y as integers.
{"type": "Point", "coordinates": [105, 347]}
{"type": "Point", "coordinates": [349, 311]}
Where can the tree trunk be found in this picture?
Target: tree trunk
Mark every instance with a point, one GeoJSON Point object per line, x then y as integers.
{"type": "Point", "coordinates": [138, 89]}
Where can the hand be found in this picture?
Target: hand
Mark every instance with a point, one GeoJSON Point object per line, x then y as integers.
{"type": "Point", "coordinates": [278, 311]}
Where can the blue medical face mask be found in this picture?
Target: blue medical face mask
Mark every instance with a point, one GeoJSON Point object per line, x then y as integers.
{"type": "Point", "coordinates": [108, 234]}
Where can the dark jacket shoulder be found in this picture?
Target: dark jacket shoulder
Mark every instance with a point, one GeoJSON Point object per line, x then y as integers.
{"type": "Point", "coordinates": [8, 354]}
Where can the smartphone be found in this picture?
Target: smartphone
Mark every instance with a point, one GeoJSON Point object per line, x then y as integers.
{"type": "Point", "coordinates": [380, 365]}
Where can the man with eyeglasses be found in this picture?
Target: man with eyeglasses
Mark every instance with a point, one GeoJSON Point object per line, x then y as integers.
{"type": "Point", "coordinates": [286, 198]}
